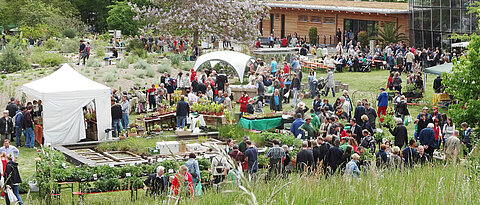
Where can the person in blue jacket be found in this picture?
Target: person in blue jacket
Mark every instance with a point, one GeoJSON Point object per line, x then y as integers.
{"type": "Point", "coordinates": [296, 124]}
{"type": "Point", "coordinates": [427, 139]}
{"type": "Point", "coordinates": [382, 103]}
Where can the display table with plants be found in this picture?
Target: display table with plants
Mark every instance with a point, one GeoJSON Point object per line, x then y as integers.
{"type": "Point", "coordinates": [53, 172]}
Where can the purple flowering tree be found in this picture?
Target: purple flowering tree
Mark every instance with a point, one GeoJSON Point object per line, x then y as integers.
{"type": "Point", "coordinates": [237, 19]}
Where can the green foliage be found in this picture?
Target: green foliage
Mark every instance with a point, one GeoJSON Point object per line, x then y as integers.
{"type": "Point", "coordinates": [135, 43]}
{"type": "Point", "coordinates": [284, 138]}
{"type": "Point", "coordinates": [141, 65]}
{"type": "Point", "coordinates": [468, 112]}
{"type": "Point", "coordinates": [186, 66]}
{"type": "Point", "coordinates": [107, 184]}
{"type": "Point", "coordinates": [132, 59]}
{"type": "Point", "coordinates": [42, 18]}
{"type": "Point", "coordinates": [140, 73]}
{"type": "Point", "coordinates": [363, 38]}
{"type": "Point", "coordinates": [123, 64]}
{"type": "Point", "coordinates": [93, 62]}
{"type": "Point", "coordinates": [140, 52]}
{"type": "Point", "coordinates": [151, 59]}
{"type": "Point", "coordinates": [99, 51]}
{"type": "Point", "coordinates": [235, 132]}
{"type": "Point", "coordinates": [70, 45]}
{"type": "Point", "coordinates": [70, 33]}
{"type": "Point", "coordinates": [203, 164]}
{"type": "Point", "coordinates": [110, 77]}
{"type": "Point", "coordinates": [163, 67]}
{"type": "Point", "coordinates": [120, 17]}
{"type": "Point", "coordinates": [149, 72]}
{"type": "Point", "coordinates": [47, 59]}
{"type": "Point", "coordinates": [24, 187]}
{"type": "Point", "coordinates": [52, 44]}
{"type": "Point", "coordinates": [312, 35]}
{"type": "Point", "coordinates": [175, 59]}
{"type": "Point", "coordinates": [463, 84]}
{"type": "Point", "coordinates": [389, 33]}
{"type": "Point", "coordinates": [127, 77]}
{"type": "Point", "coordinates": [12, 61]}
{"type": "Point", "coordinates": [94, 12]}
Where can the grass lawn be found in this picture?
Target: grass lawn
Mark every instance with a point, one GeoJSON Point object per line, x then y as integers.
{"type": "Point", "coordinates": [433, 184]}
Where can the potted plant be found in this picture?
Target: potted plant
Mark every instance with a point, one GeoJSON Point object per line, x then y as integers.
{"type": "Point", "coordinates": [157, 128]}
{"type": "Point", "coordinates": [219, 110]}
{"type": "Point", "coordinates": [122, 135]}
{"type": "Point", "coordinates": [141, 131]}
{"type": "Point", "coordinates": [212, 108]}
{"type": "Point", "coordinates": [133, 132]}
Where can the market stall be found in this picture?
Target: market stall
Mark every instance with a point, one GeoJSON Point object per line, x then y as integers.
{"type": "Point", "coordinates": [64, 94]}
{"type": "Point", "coordinates": [238, 61]}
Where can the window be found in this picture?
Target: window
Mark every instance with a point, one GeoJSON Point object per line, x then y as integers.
{"type": "Point", "coordinates": [329, 20]}
{"type": "Point", "coordinates": [303, 18]}
{"type": "Point", "coordinates": [316, 19]}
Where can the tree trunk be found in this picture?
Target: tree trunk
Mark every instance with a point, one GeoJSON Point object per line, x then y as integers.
{"type": "Point", "coordinates": [195, 38]}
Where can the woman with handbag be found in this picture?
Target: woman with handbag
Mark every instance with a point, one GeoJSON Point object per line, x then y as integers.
{"type": "Point", "coordinates": [12, 181]}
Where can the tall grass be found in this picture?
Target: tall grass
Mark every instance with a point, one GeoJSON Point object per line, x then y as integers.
{"type": "Point", "coordinates": [430, 184]}
{"type": "Point", "coordinates": [427, 185]}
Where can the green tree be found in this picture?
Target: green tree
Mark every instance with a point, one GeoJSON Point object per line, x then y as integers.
{"type": "Point", "coordinates": [120, 17]}
{"type": "Point", "coordinates": [363, 37]}
{"type": "Point", "coordinates": [312, 35]}
{"type": "Point", "coordinates": [94, 13]}
{"type": "Point", "coordinates": [57, 15]}
{"type": "Point", "coordinates": [389, 33]}
{"type": "Point", "coordinates": [464, 84]}
{"type": "Point", "coordinates": [12, 61]}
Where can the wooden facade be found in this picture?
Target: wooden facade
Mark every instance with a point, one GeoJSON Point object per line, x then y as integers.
{"type": "Point", "coordinates": [327, 22]}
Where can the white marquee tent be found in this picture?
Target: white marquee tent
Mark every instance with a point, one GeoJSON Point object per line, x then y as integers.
{"type": "Point", "coordinates": [64, 93]}
{"type": "Point", "coordinates": [238, 61]}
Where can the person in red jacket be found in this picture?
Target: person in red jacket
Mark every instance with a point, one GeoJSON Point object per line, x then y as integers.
{"type": "Point", "coordinates": [194, 75]}
{"type": "Point", "coordinates": [286, 69]}
{"type": "Point", "coordinates": [390, 81]}
{"type": "Point", "coordinates": [187, 181]}
{"type": "Point", "coordinates": [243, 102]}
{"type": "Point", "coordinates": [284, 42]}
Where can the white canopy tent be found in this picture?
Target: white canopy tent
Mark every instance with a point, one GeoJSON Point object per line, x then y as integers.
{"type": "Point", "coordinates": [460, 45]}
{"type": "Point", "coordinates": [238, 61]}
{"type": "Point", "coordinates": [64, 93]}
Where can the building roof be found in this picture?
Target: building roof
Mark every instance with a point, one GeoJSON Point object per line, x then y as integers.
{"type": "Point", "coordinates": [341, 5]}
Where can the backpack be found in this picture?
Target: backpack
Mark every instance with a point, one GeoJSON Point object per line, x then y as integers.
{"type": "Point", "coordinates": [220, 167]}
{"type": "Point", "coordinates": [14, 119]}
{"type": "Point", "coordinates": [369, 143]}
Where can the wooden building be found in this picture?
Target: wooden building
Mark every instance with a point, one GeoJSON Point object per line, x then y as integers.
{"type": "Point", "coordinates": [289, 17]}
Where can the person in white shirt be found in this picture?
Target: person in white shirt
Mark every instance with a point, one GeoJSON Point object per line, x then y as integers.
{"type": "Point", "coordinates": [9, 149]}
{"type": "Point", "coordinates": [192, 98]}
{"type": "Point", "coordinates": [325, 51]}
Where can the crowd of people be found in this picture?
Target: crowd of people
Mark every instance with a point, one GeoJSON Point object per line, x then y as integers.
{"type": "Point", "coordinates": [19, 118]}
{"type": "Point", "coordinates": [202, 87]}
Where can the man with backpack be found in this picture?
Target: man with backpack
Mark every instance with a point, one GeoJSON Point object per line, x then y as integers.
{"type": "Point", "coordinates": [218, 167]}
{"type": "Point", "coordinates": [18, 125]}
{"type": "Point", "coordinates": [368, 141]}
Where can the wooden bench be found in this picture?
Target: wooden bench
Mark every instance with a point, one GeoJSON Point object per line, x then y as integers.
{"type": "Point", "coordinates": [108, 60]}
